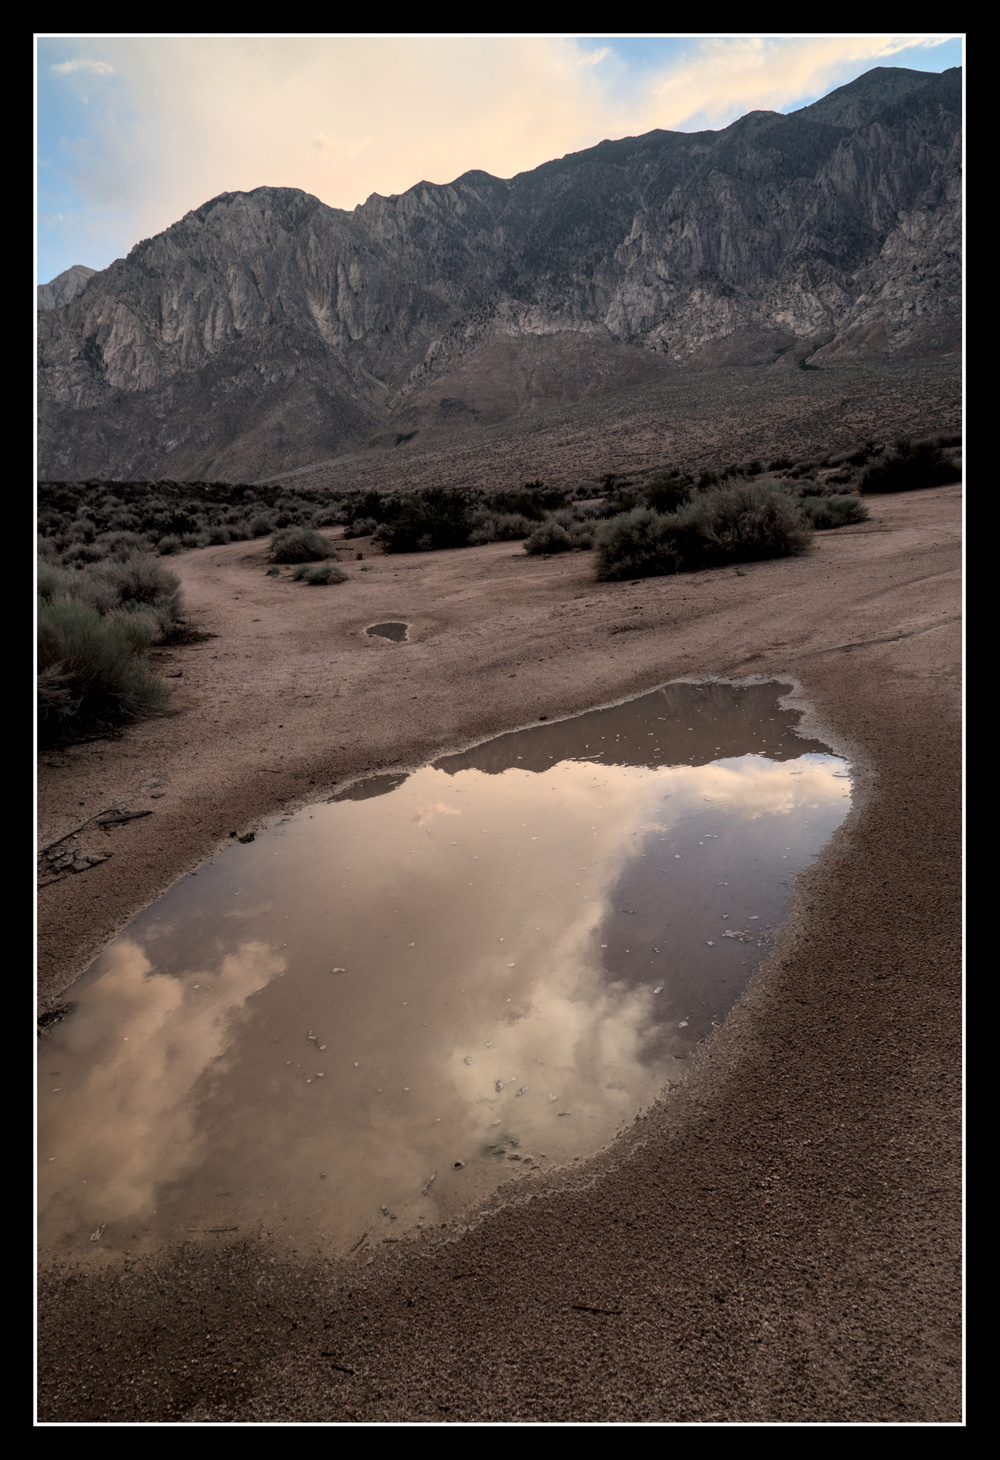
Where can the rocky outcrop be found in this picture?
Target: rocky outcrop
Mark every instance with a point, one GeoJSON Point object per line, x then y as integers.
{"type": "Point", "coordinates": [266, 330]}
{"type": "Point", "coordinates": [64, 286]}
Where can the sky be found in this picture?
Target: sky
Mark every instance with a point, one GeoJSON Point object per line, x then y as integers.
{"type": "Point", "coordinates": [135, 131]}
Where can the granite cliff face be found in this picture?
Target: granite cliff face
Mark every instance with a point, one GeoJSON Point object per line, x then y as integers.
{"type": "Point", "coordinates": [266, 330]}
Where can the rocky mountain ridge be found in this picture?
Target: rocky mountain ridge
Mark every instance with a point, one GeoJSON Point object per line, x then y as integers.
{"type": "Point", "coordinates": [64, 287]}
{"type": "Point", "coordinates": [265, 330]}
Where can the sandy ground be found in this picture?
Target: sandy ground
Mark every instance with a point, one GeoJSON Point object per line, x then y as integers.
{"type": "Point", "coordinates": [779, 1238]}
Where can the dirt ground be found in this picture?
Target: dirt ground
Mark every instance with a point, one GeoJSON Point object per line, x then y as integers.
{"type": "Point", "coordinates": [779, 1239]}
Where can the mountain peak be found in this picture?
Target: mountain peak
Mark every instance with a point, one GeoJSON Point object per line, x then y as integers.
{"type": "Point", "coordinates": [857, 102]}
{"type": "Point", "coordinates": [65, 286]}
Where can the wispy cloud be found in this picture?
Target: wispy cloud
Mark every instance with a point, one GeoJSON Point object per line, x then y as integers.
{"type": "Point", "coordinates": [95, 68]}
{"type": "Point", "coordinates": [727, 77]}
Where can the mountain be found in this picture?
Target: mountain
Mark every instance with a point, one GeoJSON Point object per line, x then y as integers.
{"type": "Point", "coordinates": [64, 286]}
{"type": "Point", "coordinates": [266, 330]}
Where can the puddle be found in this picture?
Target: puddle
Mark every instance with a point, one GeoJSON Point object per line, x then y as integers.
{"type": "Point", "coordinates": [388, 1004]}
{"type": "Point", "coordinates": [395, 631]}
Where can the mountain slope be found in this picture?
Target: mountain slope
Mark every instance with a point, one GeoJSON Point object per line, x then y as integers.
{"type": "Point", "coordinates": [265, 330]}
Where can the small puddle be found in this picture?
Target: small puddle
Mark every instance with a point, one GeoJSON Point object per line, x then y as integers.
{"type": "Point", "coordinates": [387, 1005]}
{"type": "Point", "coordinates": [395, 631]}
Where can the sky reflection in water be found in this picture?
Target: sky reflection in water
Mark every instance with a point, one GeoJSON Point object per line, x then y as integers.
{"type": "Point", "coordinates": [387, 1005]}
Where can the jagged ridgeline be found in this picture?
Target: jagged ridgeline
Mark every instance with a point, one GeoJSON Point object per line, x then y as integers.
{"type": "Point", "coordinates": [266, 331]}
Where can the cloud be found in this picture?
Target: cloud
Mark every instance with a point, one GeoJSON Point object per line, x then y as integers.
{"type": "Point", "coordinates": [95, 68]}
{"type": "Point", "coordinates": [725, 78]}
{"type": "Point", "coordinates": [138, 1051]}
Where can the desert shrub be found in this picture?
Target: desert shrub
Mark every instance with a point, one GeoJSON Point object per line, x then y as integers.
{"type": "Point", "coordinates": [261, 525]}
{"type": "Point", "coordinates": [362, 527]}
{"type": "Point", "coordinates": [83, 552]}
{"type": "Point", "coordinates": [564, 516]}
{"type": "Point", "coordinates": [825, 512]}
{"type": "Point", "coordinates": [92, 674]}
{"type": "Point", "coordinates": [123, 519]}
{"type": "Point", "coordinates": [71, 585]}
{"type": "Point", "coordinates": [299, 545]}
{"type": "Point", "coordinates": [54, 581]}
{"type": "Point", "coordinates": [551, 537]}
{"type": "Point", "coordinates": [141, 580]}
{"type": "Point", "coordinates": [532, 500]}
{"type": "Point", "coordinates": [743, 521]}
{"type": "Point", "coordinates": [736, 522]}
{"type": "Point", "coordinates": [908, 467]}
{"type": "Point", "coordinates": [82, 529]}
{"type": "Point", "coordinates": [807, 487]}
{"type": "Point", "coordinates": [637, 544]}
{"type": "Point", "coordinates": [622, 497]}
{"type": "Point", "coordinates": [319, 574]}
{"type": "Point", "coordinates": [499, 527]}
{"type": "Point", "coordinates": [863, 455]}
{"type": "Point", "coordinates": [122, 544]}
{"type": "Point", "coordinates": [666, 491]}
{"type": "Point", "coordinates": [583, 534]}
{"type": "Point", "coordinates": [172, 543]}
{"type": "Point", "coordinates": [432, 518]}
{"type": "Point", "coordinates": [330, 516]}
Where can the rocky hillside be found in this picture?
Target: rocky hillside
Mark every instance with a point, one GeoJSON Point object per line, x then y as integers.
{"type": "Point", "coordinates": [64, 286]}
{"type": "Point", "coordinates": [266, 330]}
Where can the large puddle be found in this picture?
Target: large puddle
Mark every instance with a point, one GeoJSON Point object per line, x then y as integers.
{"type": "Point", "coordinates": [386, 1005]}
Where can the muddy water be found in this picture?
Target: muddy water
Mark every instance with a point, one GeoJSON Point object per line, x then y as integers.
{"type": "Point", "coordinates": [387, 1005]}
{"type": "Point", "coordinates": [395, 631]}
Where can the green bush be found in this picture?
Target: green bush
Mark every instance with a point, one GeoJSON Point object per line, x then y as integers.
{"type": "Point", "coordinates": [299, 545]}
{"type": "Point", "coordinates": [825, 512]}
{"type": "Point", "coordinates": [319, 574]}
{"type": "Point", "coordinates": [908, 467]}
{"type": "Point", "coordinates": [92, 674]}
